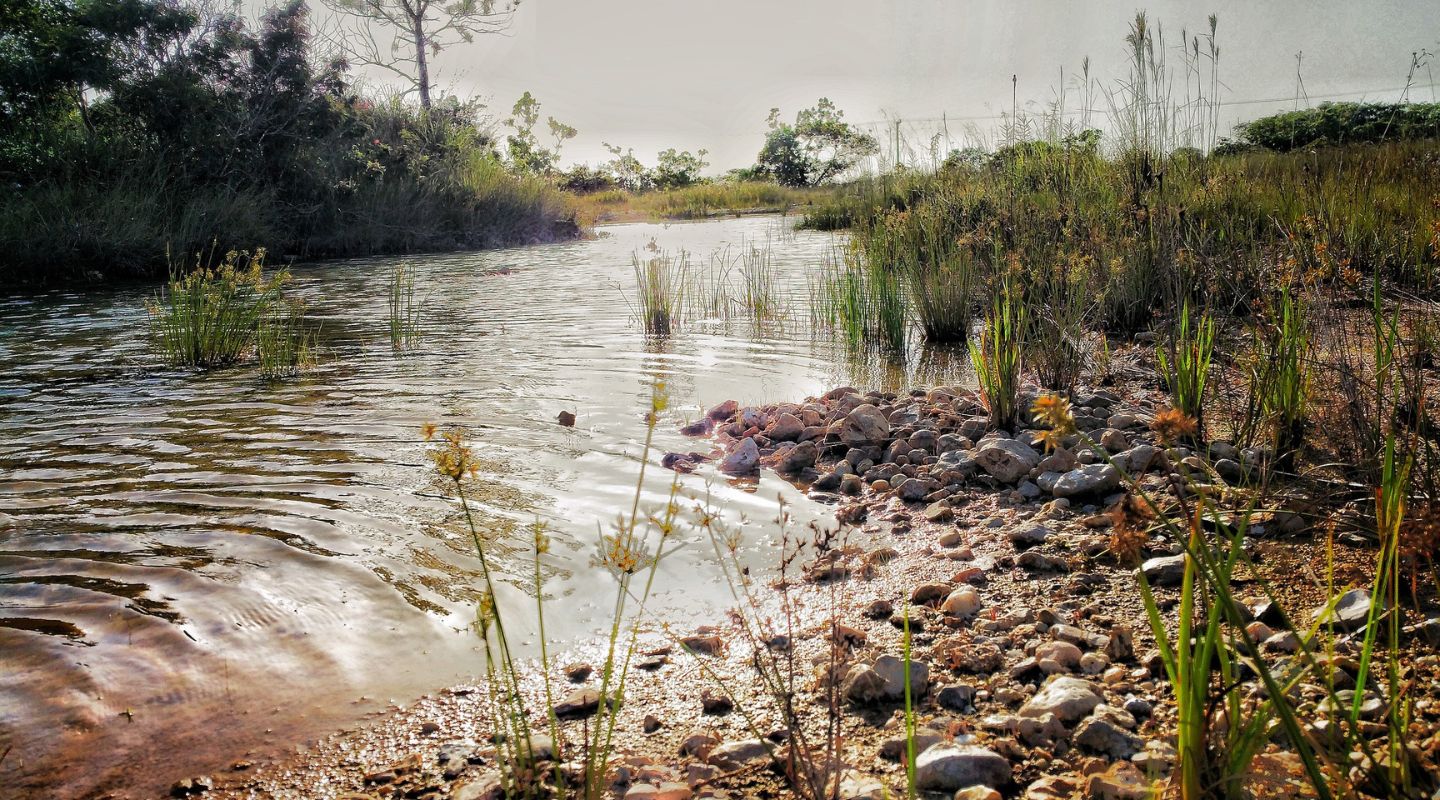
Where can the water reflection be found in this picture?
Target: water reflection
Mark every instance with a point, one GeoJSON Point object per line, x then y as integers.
{"type": "Point", "coordinates": [196, 565]}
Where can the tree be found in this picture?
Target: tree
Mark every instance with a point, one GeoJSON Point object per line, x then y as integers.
{"type": "Point", "coordinates": [674, 169]}
{"type": "Point", "coordinates": [817, 148]}
{"type": "Point", "coordinates": [525, 151]}
{"type": "Point", "coordinates": [419, 30]}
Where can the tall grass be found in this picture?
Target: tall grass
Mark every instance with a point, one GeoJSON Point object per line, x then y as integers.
{"type": "Point", "coordinates": [661, 281]}
{"type": "Point", "coordinates": [404, 314]}
{"type": "Point", "coordinates": [997, 358]}
{"type": "Point", "coordinates": [211, 315]}
{"type": "Point", "coordinates": [1184, 362]}
{"type": "Point", "coordinates": [285, 343]}
{"type": "Point", "coordinates": [631, 553]}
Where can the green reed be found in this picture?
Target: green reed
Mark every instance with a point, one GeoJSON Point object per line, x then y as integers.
{"type": "Point", "coordinates": [404, 313]}
{"type": "Point", "coordinates": [284, 343]}
{"type": "Point", "coordinates": [1184, 364]}
{"type": "Point", "coordinates": [211, 315]}
{"type": "Point", "coordinates": [661, 282]}
{"type": "Point", "coordinates": [997, 357]}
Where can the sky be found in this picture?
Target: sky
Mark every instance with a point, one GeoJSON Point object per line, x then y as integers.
{"type": "Point", "coordinates": [653, 74]}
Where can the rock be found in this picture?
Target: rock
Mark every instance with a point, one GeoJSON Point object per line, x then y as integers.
{"type": "Point", "coordinates": [892, 671]}
{"type": "Point", "coordinates": [1230, 470]}
{"type": "Point", "coordinates": [734, 755]}
{"type": "Point", "coordinates": [1052, 787]}
{"type": "Point", "coordinates": [1164, 570]}
{"type": "Point", "coordinates": [704, 645]}
{"type": "Point", "coordinates": [863, 686]}
{"type": "Point", "coordinates": [485, 787]}
{"type": "Point", "coordinates": [1113, 441]}
{"type": "Point", "coordinates": [858, 786]}
{"type": "Point", "coordinates": [1101, 735]}
{"type": "Point", "coordinates": [724, 411]}
{"type": "Point", "coordinates": [651, 723]}
{"type": "Point", "coordinates": [786, 428]}
{"type": "Point", "coordinates": [864, 426]}
{"type": "Point", "coordinates": [977, 793]}
{"type": "Point", "coordinates": [1007, 460]}
{"type": "Point", "coordinates": [700, 427]}
{"type": "Point", "coordinates": [798, 458]}
{"type": "Point", "coordinates": [927, 593]}
{"type": "Point", "coordinates": [578, 704]}
{"type": "Point", "coordinates": [191, 786]}
{"type": "Point", "coordinates": [1087, 480]}
{"type": "Point", "coordinates": [566, 419]}
{"type": "Point", "coordinates": [1065, 654]}
{"type": "Point", "coordinates": [1428, 631]}
{"type": "Point", "coordinates": [1068, 698]}
{"type": "Point", "coordinates": [880, 609]}
{"type": "Point", "coordinates": [665, 790]}
{"type": "Point", "coordinates": [895, 748]}
{"type": "Point", "coordinates": [956, 696]}
{"type": "Point", "coordinates": [1351, 610]}
{"type": "Point", "coordinates": [1123, 781]}
{"type": "Point", "coordinates": [949, 767]}
{"type": "Point", "coordinates": [577, 673]}
{"type": "Point", "coordinates": [1028, 535]}
{"type": "Point", "coordinates": [962, 602]}
{"type": "Point", "coordinates": [743, 460]}
{"type": "Point", "coordinates": [716, 703]}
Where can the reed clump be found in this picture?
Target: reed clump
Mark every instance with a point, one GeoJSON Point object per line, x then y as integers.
{"type": "Point", "coordinates": [219, 313]}
{"type": "Point", "coordinates": [661, 283]}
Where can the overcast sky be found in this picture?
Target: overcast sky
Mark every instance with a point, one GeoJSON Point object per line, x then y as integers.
{"type": "Point", "coordinates": [652, 74]}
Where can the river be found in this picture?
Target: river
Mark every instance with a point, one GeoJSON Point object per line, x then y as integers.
{"type": "Point", "coordinates": [198, 566]}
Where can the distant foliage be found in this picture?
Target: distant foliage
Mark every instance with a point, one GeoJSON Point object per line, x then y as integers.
{"type": "Point", "coordinates": [818, 148]}
{"type": "Point", "coordinates": [1343, 123]}
{"type": "Point", "coordinates": [127, 128]}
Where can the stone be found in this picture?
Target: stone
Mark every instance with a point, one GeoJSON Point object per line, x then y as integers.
{"type": "Point", "coordinates": [566, 419]}
{"type": "Point", "coordinates": [734, 755]}
{"type": "Point", "coordinates": [724, 411]}
{"type": "Point", "coordinates": [892, 671]}
{"type": "Point", "coordinates": [485, 787]}
{"type": "Point", "coordinates": [939, 511]}
{"type": "Point", "coordinates": [1351, 610]}
{"type": "Point", "coordinates": [950, 767]}
{"type": "Point", "coordinates": [863, 686]}
{"type": "Point", "coordinates": [1007, 460]}
{"type": "Point", "coordinates": [963, 602]}
{"type": "Point", "coordinates": [704, 645]}
{"type": "Point", "coordinates": [956, 696]}
{"type": "Point", "coordinates": [665, 790]}
{"type": "Point", "coordinates": [913, 490]}
{"type": "Point", "coordinates": [896, 747]}
{"type": "Point", "coordinates": [578, 704]}
{"type": "Point", "coordinates": [1068, 698]}
{"type": "Point", "coordinates": [858, 786]}
{"type": "Point", "coordinates": [698, 744]}
{"type": "Point", "coordinates": [865, 425]}
{"type": "Point", "coordinates": [1102, 735]}
{"type": "Point", "coordinates": [716, 703]}
{"type": "Point", "coordinates": [977, 793]}
{"type": "Point", "coordinates": [1122, 781]}
{"type": "Point", "coordinates": [798, 458]}
{"type": "Point", "coordinates": [786, 428]}
{"type": "Point", "coordinates": [1028, 535]}
{"type": "Point", "coordinates": [1164, 570]}
{"type": "Point", "coordinates": [743, 460]}
{"type": "Point", "coordinates": [1036, 561]}
{"type": "Point", "coordinates": [1087, 480]}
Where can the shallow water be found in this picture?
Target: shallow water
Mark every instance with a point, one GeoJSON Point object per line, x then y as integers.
{"type": "Point", "coordinates": [197, 566]}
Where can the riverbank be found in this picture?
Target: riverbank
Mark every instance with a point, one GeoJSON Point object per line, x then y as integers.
{"type": "Point", "coordinates": [1014, 569]}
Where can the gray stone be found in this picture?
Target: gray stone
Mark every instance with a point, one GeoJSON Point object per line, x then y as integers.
{"type": "Point", "coordinates": [1087, 480]}
{"type": "Point", "coordinates": [743, 460]}
{"type": "Point", "coordinates": [786, 428]}
{"type": "Point", "coordinates": [1068, 698]}
{"type": "Point", "coordinates": [1164, 570]}
{"type": "Point", "coordinates": [800, 457]}
{"type": "Point", "coordinates": [1029, 535]}
{"type": "Point", "coordinates": [734, 755]}
{"type": "Point", "coordinates": [892, 671]}
{"type": "Point", "coordinates": [949, 767]}
{"type": "Point", "coordinates": [864, 426]}
{"type": "Point", "coordinates": [1102, 735]}
{"type": "Point", "coordinates": [1351, 612]}
{"type": "Point", "coordinates": [1007, 460]}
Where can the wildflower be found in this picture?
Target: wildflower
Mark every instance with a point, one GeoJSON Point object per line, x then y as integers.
{"type": "Point", "coordinates": [1053, 411]}
{"type": "Point", "coordinates": [621, 554]}
{"type": "Point", "coordinates": [453, 459]}
{"type": "Point", "coordinates": [428, 431]}
{"type": "Point", "coordinates": [1172, 425]}
{"type": "Point", "coordinates": [1129, 523]}
{"type": "Point", "coordinates": [485, 614]}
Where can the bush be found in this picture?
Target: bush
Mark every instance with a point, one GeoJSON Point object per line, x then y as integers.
{"type": "Point", "coordinates": [1343, 123]}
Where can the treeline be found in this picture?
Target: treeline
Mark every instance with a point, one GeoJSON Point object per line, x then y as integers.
{"type": "Point", "coordinates": [130, 128]}
{"type": "Point", "coordinates": [1339, 124]}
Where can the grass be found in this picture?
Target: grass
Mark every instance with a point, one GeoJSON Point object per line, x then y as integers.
{"type": "Point", "coordinates": [1185, 363]}
{"type": "Point", "coordinates": [661, 282]}
{"type": "Point", "coordinates": [699, 201]}
{"type": "Point", "coordinates": [997, 359]}
{"type": "Point", "coordinates": [628, 554]}
{"type": "Point", "coordinates": [404, 313]}
{"type": "Point", "coordinates": [211, 316]}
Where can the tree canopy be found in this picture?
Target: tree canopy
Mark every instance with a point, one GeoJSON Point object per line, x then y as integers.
{"type": "Point", "coordinates": [819, 147]}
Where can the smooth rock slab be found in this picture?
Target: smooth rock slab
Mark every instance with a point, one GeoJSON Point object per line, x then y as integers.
{"type": "Point", "coordinates": [1068, 698]}
{"type": "Point", "coordinates": [1007, 460]}
{"type": "Point", "coordinates": [950, 767]}
{"type": "Point", "coordinates": [1086, 480]}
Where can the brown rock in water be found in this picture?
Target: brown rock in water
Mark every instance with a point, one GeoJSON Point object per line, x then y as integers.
{"type": "Point", "coordinates": [566, 419]}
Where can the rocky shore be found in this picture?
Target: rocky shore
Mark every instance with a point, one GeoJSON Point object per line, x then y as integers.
{"type": "Point", "coordinates": [1033, 671]}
